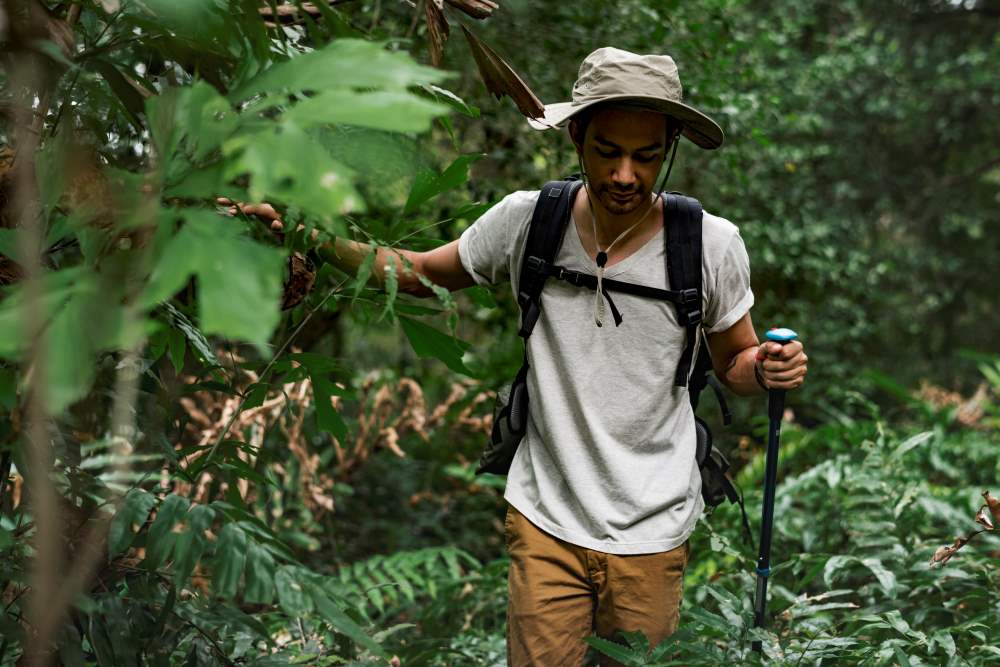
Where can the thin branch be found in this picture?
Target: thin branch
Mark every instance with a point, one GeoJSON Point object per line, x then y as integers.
{"type": "Point", "coordinates": [281, 350]}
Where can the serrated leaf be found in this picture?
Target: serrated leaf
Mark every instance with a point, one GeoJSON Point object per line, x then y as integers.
{"type": "Point", "coordinates": [427, 184]}
{"type": "Point", "coordinates": [396, 111]}
{"type": "Point", "coordinates": [343, 64]}
{"type": "Point", "coordinates": [287, 164]}
{"type": "Point", "coordinates": [239, 280]}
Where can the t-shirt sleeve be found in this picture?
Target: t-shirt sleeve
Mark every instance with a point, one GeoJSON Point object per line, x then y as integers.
{"type": "Point", "coordinates": [730, 297]}
{"type": "Point", "coordinates": [487, 246]}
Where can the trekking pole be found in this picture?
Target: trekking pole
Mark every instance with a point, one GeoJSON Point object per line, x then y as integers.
{"type": "Point", "coordinates": [775, 410]}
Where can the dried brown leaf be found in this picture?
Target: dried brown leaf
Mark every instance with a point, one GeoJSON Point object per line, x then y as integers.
{"type": "Point", "coordinates": [438, 29]}
{"type": "Point", "coordinates": [994, 506]}
{"type": "Point", "coordinates": [944, 554]}
{"type": "Point", "coordinates": [477, 9]}
{"type": "Point", "coordinates": [501, 79]}
{"type": "Point", "coordinates": [983, 518]}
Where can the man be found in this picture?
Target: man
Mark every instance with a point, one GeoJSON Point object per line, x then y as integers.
{"type": "Point", "coordinates": [604, 490]}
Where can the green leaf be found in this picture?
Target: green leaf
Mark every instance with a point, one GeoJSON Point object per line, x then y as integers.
{"type": "Point", "coordinates": [286, 164]}
{"type": "Point", "coordinates": [481, 296]}
{"type": "Point", "coordinates": [397, 111]}
{"type": "Point", "coordinates": [129, 93]}
{"type": "Point", "coordinates": [616, 651]}
{"type": "Point", "coordinates": [336, 617]}
{"type": "Point", "coordinates": [256, 393]}
{"type": "Point", "coordinates": [8, 388]}
{"type": "Point", "coordinates": [260, 569]}
{"type": "Point", "coordinates": [191, 543]}
{"type": "Point", "coordinates": [239, 280]}
{"type": "Point", "coordinates": [230, 556]}
{"type": "Point", "coordinates": [327, 418]}
{"type": "Point", "coordinates": [161, 538]}
{"type": "Point", "coordinates": [131, 515]}
{"type": "Point", "coordinates": [345, 64]}
{"type": "Point", "coordinates": [886, 579]}
{"type": "Point", "coordinates": [429, 342]}
{"type": "Point", "coordinates": [194, 20]}
{"type": "Point", "coordinates": [176, 347]}
{"type": "Point", "coordinates": [364, 273]}
{"type": "Point", "coordinates": [391, 289]}
{"type": "Point", "coordinates": [291, 594]}
{"type": "Point", "coordinates": [428, 184]}
{"type": "Point", "coordinates": [192, 333]}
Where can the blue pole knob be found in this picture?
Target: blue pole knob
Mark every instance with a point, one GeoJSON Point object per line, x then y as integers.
{"type": "Point", "coordinates": [781, 335]}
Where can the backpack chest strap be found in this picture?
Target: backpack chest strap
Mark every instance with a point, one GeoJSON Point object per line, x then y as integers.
{"type": "Point", "coordinates": [581, 279]}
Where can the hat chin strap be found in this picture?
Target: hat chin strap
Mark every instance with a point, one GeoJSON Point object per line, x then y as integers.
{"type": "Point", "coordinates": [600, 294]}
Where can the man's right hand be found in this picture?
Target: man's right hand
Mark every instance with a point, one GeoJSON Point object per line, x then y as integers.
{"type": "Point", "coordinates": [441, 265]}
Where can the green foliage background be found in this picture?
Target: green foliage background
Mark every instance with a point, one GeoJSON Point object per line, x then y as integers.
{"type": "Point", "coordinates": [860, 166]}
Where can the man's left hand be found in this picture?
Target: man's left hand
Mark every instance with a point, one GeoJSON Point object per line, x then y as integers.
{"type": "Point", "coordinates": [782, 366]}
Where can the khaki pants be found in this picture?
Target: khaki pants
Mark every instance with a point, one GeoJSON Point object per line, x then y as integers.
{"type": "Point", "coordinates": [561, 593]}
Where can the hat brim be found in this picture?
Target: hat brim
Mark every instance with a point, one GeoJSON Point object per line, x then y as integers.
{"type": "Point", "coordinates": [697, 127]}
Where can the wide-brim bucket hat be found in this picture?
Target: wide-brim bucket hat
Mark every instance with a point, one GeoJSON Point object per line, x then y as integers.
{"type": "Point", "coordinates": [646, 81]}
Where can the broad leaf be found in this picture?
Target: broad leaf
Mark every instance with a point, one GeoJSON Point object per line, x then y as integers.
{"type": "Point", "coordinates": [130, 516]}
{"type": "Point", "coordinates": [428, 184]}
{"type": "Point", "coordinates": [396, 111]}
{"type": "Point", "coordinates": [230, 556]}
{"type": "Point", "coordinates": [191, 543]}
{"type": "Point", "coordinates": [339, 619]}
{"type": "Point", "coordinates": [260, 569]}
{"type": "Point", "coordinates": [239, 280]}
{"type": "Point", "coordinates": [286, 164]}
{"type": "Point", "coordinates": [429, 342]}
{"type": "Point", "coordinates": [342, 64]}
{"type": "Point", "coordinates": [161, 538]}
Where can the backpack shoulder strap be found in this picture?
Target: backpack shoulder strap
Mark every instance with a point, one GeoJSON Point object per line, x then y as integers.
{"type": "Point", "coordinates": [683, 256]}
{"type": "Point", "coordinates": [545, 235]}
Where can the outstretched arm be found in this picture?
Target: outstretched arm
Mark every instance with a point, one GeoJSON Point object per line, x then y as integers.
{"type": "Point", "coordinates": [441, 265]}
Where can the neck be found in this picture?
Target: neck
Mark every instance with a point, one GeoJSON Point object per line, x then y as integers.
{"type": "Point", "coordinates": [610, 225]}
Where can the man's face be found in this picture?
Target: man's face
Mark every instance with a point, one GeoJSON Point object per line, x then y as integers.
{"type": "Point", "coordinates": [622, 152]}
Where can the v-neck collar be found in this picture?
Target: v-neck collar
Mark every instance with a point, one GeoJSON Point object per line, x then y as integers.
{"type": "Point", "coordinates": [618, 267]}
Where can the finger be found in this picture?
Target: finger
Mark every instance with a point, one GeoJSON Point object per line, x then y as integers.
{"type": "Point", "coordinates": [786, 385]}
{"type": "Point", "coordinates": [790, 350]}
{"type": "Point", "coordinates": [785, 376]}
{"type": "Point", "coordinates": [265, 210]}
{"type": "Point", "coordinates": [777, 365]}
{"type": "Point", "coordinates": [225, 201]}
{"type": "Point", "coordinates": [277, 225]}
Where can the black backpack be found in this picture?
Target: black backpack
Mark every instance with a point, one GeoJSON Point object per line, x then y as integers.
{"type": "Point", "coordinates": [683, 256]}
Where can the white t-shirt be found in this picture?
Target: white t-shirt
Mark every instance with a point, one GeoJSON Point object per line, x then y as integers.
{"type": "Point", "coordinates": [608, 459]}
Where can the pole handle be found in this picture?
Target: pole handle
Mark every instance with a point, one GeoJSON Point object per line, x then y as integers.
{"type": "Point", "coordinates": [776, 397]}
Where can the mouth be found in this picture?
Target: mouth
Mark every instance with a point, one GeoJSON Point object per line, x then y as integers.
{"type": "Point", "coordinates": [622, 198]}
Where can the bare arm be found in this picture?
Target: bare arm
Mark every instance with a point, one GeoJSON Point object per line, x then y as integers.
{"type": "Point", "coordinates": [736, 351]}
{"type": "Point", "coordinates": [441, 265]}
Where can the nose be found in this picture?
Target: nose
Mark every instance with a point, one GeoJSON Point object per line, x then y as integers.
{"type": "Point", "coordinates": [624, 173]}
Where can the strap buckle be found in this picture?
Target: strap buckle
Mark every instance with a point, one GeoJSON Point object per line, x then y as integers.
{"type": "Point", "coordinates": [689, 296]}
{"type": "Point", "coordinates": [538, 265]}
